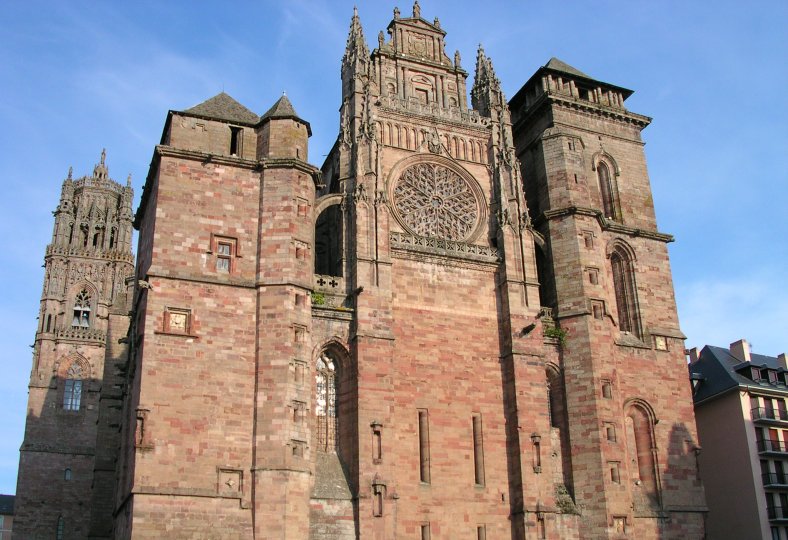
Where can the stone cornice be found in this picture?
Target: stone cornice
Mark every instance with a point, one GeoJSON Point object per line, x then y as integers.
{"type": "Point", "coordinates": [551, 98]}
{"type": "Point", "coordinates": [604, 223]}
{"type": "Point", "coordinates": [89, 253]}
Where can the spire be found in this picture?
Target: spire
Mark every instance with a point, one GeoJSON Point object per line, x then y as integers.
{"type": "Point", "coordinates": [486, 92]}
{"type": "Point", "coordinates": [356, 48]}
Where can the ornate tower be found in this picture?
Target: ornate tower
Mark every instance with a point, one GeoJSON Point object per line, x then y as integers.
{"type": "Point", "coordinates": [70, 438]}
{"type": "Point", "coordinates": [604, 270]}
{"type": "Point", "coordinates": [446, 398]}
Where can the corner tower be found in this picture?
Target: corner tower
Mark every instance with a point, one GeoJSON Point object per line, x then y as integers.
{"type": "Point", "coordinates": [70, 437]}
{"type": "Point", "coordinates": [604, 270]}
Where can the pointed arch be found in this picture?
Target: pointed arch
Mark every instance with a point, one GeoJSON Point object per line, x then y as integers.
{"type": "Point", "coordinates": [607, 172]}
{"type": "Point", "coordinates": [622, 268]}
{"type": "Point", "coordinates": [639, 420]}
{"type": "Point", "coordinates": [83, 297]}
{"type": "Point", "coordinates": [330, 404]}
{"type": "Point", "coordinates": [73, 371]}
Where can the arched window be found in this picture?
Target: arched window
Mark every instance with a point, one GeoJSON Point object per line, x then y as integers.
{"type": "Point", "coordinates": [607, 191]}
{"type": "Point", "coordinates": [640, 450]}
{"type": "Point", "coordinates": [72, 391]}
{"type": "Point", "coordinates": [81, 309]}
{"type": "Point", "coordinates": [328, 242]}
{"type": "Point", "coordinates": [326, 403]}
{"type": "Point", "coordinates": [626, 292]}
{"type": "Point", "coordinates": [67, 474]}
{"type": "Point", "coordinates": [61, 525]}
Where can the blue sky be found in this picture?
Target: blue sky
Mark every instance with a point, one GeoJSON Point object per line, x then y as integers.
{"type": "Point", "coordinates": [81, 76]}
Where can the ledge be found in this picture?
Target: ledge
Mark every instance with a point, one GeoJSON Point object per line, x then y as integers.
{"type": "Point", "coordinates": [606, 224]}
{"type": "Point", "coordinates": [444, 248]}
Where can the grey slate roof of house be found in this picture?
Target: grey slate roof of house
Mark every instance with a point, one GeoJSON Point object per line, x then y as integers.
{"type": "Point", "coordinates": [7, 505]}
{"type": "Point", "coordinates": [223, 107]}
{"type": "Point", "coordinates": [722, 371]}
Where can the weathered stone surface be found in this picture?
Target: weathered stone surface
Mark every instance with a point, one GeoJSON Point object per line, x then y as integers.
{"type": "Point", "coordinates": [444, 355]}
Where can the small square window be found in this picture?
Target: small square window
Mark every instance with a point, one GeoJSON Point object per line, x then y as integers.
{"type": "Point", "coordinates": [610, 432]}
{"type": "Point", "coordinates": [588, 239]}
{"type": "Point", "coordinates": [661, 343]}
{"type": "Point", "coordinates": [607, 389]}
{"type": "Point", "coordinates": [598, 309]}
{"type": "Point", "coordinates": [593, 276]}
{"type": "Point", "coordinates": [225, 251]}
{"type": "Point", "coordinates": [615, 475]}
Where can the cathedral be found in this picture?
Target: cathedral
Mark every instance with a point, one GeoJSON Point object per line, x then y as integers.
{"type": "Point", "coordinates": [461, 326]}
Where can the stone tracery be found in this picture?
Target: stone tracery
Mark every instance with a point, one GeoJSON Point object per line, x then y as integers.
{"type": "Point", "coordinates": [435, 201]}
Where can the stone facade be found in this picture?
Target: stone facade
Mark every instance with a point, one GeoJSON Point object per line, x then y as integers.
{"type": "Point", "coordinates": [67, 460]}
{"type": "Point", "coordinates": [461, 326]}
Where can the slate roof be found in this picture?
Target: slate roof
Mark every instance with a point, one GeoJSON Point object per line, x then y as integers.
{"type": "Point", "coordinates": [559, 65]}
{"type": "Point", "coordinates": [223, 107]}
{"type": "Point", "coordinates": [7, 505]}
{"type": "Point", "coordinates": [722, 371]}
{"type": "Point", "coordinates": [284, 109]}
{"type": "Point", "coordinates": [281, 109]}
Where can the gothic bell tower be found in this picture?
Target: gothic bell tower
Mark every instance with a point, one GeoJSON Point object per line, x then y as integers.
{"type": "Point", "coordinates": [67, 454]}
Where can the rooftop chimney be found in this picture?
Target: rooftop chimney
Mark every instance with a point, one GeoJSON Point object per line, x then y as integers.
{"type": "Point", "coordinates": [782, 360]}
{"type": "Point", "coordinates": [693, 354]}
{"type": "Point", "coordinates": [741, 350]}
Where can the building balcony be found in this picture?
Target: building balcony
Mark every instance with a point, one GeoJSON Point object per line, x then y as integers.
{"type": "Point", "coordinates": [777, 513]}
{"type": "Point", "coordinates": [775, 480]}
{"type": "Point", "coordinates": [769, 446]}
{"type": "Point", "coordinates": [769, 416]}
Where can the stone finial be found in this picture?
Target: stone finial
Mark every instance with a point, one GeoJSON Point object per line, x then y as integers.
{"type": "Point", "coordinates": [436, 23]}
{"type": "Point", "coordinates": [396, 13]}
{"type": "Point", "coordinates": [356, 47]}
{"type": "Point", "coordinates": [416, 10]}
{"type": "Point", "coordinates": [128, 180]}
{"type": "Point", "coordinates": [71, 173]}
{"type": "Point", "coordinates": [457, 59]}
{"type": "Point", "coordinates": [103, 155]}
{"type": "Point", "coordinates": [381, 39]}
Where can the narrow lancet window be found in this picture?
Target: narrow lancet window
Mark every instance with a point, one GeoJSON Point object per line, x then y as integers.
{"type": "Point", "coordinates": [607, 191]}
{"type": "Point", "coordinates": [625, 290]}
{"type": "Point", "coordinates": [326, 404]}
{"type": "Point", "coordinates": [424, 446]}
{"type": "Point", "coordinates": [72, 392]}
{"type": "Point", "coordinates": [478, 450]}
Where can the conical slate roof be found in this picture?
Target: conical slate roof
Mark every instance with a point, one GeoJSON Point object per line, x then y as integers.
{"type": "Point", "coordinates": [281, 109]}
{"type": "Point", "coordinates": [559, 65]}
{"type": "Point", "coordinates": [224, 107]}
{"type": "Point", "coordinates": [284, 109]}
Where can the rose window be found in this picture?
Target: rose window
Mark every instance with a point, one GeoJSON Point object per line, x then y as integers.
{"type": "Point", "coordinates": [433, 200]}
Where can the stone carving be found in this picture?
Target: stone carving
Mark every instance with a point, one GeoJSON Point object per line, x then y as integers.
{"type": "Point", "coordinates": [434, 201]}
{"type": "Point", "coordinates": [359, 194]}
{"type": "Point", "coordinates": [434, 142]}
{"type": "Point", "coordinates": [444, 248]}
